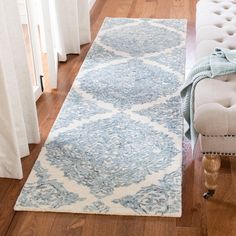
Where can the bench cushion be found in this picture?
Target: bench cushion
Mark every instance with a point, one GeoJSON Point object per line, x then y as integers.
{"type": "Point", "coordinates": [215, 106]}
{"type": "Point", "coordinates": [215, 25]}
{"type": "Point", "coordinates": [215, 99]}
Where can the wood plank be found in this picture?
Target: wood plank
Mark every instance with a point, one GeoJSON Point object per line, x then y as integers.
{"type": "Point", "coordinates": [187, 196]}
{"type": "Point", "coordinates": [31, 223]}
{"type": "Point", "coordinates": [221, 210]}
{"type": "Point", "coordinates": [188, 231]}
{"type": "Point", "coordinates": [156, 226]}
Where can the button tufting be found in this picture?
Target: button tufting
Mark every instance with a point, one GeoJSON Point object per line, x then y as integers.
{"type": "Point", "coordinates": [219, 40]}
{"type": "Point", "coordinates": [225, 105]}
{"type": "Point", "coordinates": [216, 26]}
{"type": "Point", "coordinates": [230, 33]}
{"type": "Point", "coordinates": [228, 18]}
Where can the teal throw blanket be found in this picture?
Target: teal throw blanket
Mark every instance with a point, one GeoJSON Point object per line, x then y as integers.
{"type": "Point", "coordinates": [221, 62]}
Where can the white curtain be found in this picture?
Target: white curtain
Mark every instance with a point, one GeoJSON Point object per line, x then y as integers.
{"type": "Point", "coordinates": [18, 117]}
{"type": "Point", "coordinates": [71, 25]}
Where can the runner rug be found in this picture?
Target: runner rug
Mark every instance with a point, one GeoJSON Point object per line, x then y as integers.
{"type": "Point", "coordinates": [116, 146]}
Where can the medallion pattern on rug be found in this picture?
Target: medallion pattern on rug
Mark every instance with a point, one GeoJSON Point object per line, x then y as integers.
{"type": "Point", "coordinates": [116, 146]}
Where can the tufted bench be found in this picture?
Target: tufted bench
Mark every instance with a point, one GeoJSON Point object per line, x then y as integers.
{"type": "Point", "coordinates": [215, 99]}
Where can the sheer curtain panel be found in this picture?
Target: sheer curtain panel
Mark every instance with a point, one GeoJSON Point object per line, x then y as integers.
{"type": "Point", "coordinates": [18, 117]}
{"type": "Point", "coordinates": [71, 25]}
{"type": "Point", "coordinates": [67, 27]}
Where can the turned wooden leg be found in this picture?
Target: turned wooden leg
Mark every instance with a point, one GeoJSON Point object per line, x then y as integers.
{"type": "Point", "coordinates": [211, 165]}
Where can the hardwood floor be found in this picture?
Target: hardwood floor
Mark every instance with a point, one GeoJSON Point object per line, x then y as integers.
{"type": "Point", "coordinates": [200, 217]}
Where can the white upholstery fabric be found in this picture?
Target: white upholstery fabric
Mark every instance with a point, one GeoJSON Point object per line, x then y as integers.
{"type": "Point", "coordinates": [215, 99]}
{"type": "Point", "coordinates": [224, 145]}
{"type": "Point", "coordinates": [215, 106]}
{"type": "Point", "coordinates": [216, 25]}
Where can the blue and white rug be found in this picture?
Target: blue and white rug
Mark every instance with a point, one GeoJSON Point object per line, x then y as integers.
{"type": "Point", "coordinates": [116, 146]}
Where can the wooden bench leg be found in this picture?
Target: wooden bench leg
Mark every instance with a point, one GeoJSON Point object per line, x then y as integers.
{"type": "Point", "coordinates": [211, 165]}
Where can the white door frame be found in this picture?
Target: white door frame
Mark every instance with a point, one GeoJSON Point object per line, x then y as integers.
{"type": "Point", "coordinates": [50, 44]}
{"type": "Point", "coordinates": [35, 45]}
